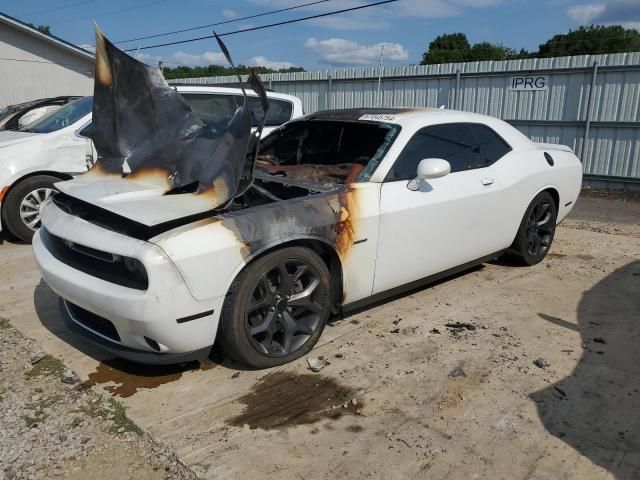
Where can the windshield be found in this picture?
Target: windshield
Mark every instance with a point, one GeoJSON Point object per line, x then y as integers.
{"type": "Point", "coordinates": [327, 150]}
{"type": "Point", "coordinates": [63, 117]}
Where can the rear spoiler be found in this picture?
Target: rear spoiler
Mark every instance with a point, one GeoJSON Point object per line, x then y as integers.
{"type": "Point", "coordinates": [553, 146]}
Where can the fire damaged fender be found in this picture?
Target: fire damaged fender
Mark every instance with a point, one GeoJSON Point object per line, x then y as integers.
{"type": "Point", "coordinates": [344, 220]}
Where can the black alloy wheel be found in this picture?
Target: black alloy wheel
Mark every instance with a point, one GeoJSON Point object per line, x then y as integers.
{"type": "Point", "coordinates": [536, 231]}
{"type": "Point", "coordinates": [540, 228]}
{"type": "Point", "coordinates": [277, 308]}
{"type": "Point", "coordinates": [285, 307]}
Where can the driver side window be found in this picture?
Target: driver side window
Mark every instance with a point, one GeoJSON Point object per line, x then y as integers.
{"type": "Point", "coordinates": [457, 143]}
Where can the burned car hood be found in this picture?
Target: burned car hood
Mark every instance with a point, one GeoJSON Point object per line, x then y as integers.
{"type": "Point", "coordinates": [156, 160]}
{"type": "Point", "coordinates": [139, 200]}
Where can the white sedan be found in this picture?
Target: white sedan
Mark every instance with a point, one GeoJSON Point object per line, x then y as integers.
{"type": "Point", "coordinates": [345, 207]}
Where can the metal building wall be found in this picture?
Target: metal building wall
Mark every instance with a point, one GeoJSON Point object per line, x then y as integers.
{"type": "Point", "coordinates": [557, 115]}
{"type": "Point", "coordinates": [31, 68]}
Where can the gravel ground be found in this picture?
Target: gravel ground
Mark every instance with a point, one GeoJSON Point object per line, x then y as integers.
{"type": "Point", "coordinates": [54, 426]}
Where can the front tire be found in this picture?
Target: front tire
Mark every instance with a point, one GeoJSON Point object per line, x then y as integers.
{"type": "Point", "coordinates": [277, 308]}
{"type": "Point", "coordinates": [21, 210]}
{"type": "Point", "coordinates": [536, 231]}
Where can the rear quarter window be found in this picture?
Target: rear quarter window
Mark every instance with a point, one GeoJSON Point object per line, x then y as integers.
{"type": "Point", "coordinates": [491, 145]}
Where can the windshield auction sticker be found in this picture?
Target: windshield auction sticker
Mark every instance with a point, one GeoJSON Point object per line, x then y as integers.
{"type": "Point", "coordinates": [379, 117]}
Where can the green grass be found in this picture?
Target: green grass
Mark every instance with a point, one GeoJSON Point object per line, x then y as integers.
{"type": "Point", "coordinates": [4, 323]}
{"type": "Point", "coordinates": [119, 413]}
{"type": "Point", "coordinates": [120, 418]}
{"type": "Point", "coordinates": [49, 365]}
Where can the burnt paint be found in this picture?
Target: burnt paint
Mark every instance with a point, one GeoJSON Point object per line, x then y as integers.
{"type": "Point", "coordinates": [141, 120]}
{"type": "Point", "coordinates": [284, 399]}
{"type": "Point", "coordinates": [352, 114]}
{"type": "Point", "coordinates": [327, 217]}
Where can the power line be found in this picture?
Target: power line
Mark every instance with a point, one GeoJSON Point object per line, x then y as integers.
{"type": "Point", "coordinates": [69, 5]}
{"type": "Point", "coordinates": [286, 22]}
{"type": "Point", "coordinates": [225, 22]}
{"type": "Point", "coordinates": [113, 12]}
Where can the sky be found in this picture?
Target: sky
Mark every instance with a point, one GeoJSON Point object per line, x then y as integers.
{"type": "Point", "coordinates": [405, 27]}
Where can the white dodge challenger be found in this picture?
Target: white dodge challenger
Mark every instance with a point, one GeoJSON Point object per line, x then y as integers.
{"type": "Point", "coordinates": [337, 208]}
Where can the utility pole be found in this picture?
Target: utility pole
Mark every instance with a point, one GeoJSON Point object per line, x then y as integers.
{"type": "Point", "coordinates": [379, 98]}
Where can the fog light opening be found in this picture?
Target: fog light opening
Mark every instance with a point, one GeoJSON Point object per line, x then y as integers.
{"type": "Point", "coordinates": [152, 343]}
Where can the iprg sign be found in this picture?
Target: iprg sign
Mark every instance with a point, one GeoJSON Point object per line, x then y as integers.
{"type": "Point", "coordinates": [529, 82]}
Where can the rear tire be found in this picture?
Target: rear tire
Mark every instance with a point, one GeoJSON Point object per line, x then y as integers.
{"type": "Point", "coordinates": [277, 308]}
{"type": "Point", "coordinates": [536, 231]}
{"type": "Point", "coordinates": [20, 211]}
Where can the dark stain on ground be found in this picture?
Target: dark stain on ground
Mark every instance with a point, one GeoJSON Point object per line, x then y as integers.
{"type": "Point", "coordinates": [355, 428]}
{"type": "Point", "coordinates": [284, 399]}
{"type": "Point", "coordinates": [129, 377]}
{"type": "Point", "coordinates": [355, 322]}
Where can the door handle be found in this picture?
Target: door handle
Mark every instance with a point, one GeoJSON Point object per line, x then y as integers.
{"type": "Point", "coordinates": [486, 181]}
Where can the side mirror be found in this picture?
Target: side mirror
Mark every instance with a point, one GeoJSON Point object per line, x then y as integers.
{"type": "Point", "coordinates": [427, 169]}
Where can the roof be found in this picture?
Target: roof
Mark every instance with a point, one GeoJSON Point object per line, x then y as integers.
{"type": "Point", "coordinates": [8, 20]}
{"type": "Point", "coordinates": [353, 114]}
{"type": "Point", "coordinates": [399, 115]}
{"type": "Point", "coordinates": [412, 119]}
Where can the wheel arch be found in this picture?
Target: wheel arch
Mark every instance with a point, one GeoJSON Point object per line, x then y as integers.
{"type": "Point", "coordinates": [51, 173]}
{"type": "Point", "coordinates": [554, 193]}
{"type": "Point", "coordinates": [18, 180]}
{"type": "Point", "coordinates": [552, 190]}
{"type": "Point", "coordinates": [324, 250]}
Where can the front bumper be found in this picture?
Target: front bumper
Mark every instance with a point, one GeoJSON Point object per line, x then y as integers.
{"type": "Point", "coordinates": [118, 350]}
{"type": "Point", "coordinates": [162, 324]}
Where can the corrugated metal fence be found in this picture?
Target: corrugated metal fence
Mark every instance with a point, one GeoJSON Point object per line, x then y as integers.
{"type": "Point", "coordinates": [592, 102]}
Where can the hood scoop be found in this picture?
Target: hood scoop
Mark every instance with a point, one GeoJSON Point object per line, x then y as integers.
{"type": "Point", "coordinates": [151, 144]}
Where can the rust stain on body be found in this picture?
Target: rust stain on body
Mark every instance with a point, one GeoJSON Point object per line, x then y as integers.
{"type": "Point", "coordinates": [129, 377]}
{"type": "Point", "coordinates": [284, 399]}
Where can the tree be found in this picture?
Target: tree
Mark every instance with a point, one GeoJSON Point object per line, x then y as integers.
{"type": "Point", "coordinates": [217, 70]}
{"type": "Point", "coordinates": [43, 28]}
{"type": "Point", "coordinates": [446, 48]}
{"type": "Point", "coordinates": [454, 47]}
{"type": "Point", "coordinates": [487, 51]}
{"type": "Point", "coordinates": [594, 39]}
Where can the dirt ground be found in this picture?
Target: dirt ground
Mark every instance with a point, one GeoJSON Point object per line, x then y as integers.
{"type": "Point", "coordinates": [441, 382]}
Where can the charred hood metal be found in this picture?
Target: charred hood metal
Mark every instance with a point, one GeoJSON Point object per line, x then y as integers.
{"type": "Point", "coordinates": [143, 126]}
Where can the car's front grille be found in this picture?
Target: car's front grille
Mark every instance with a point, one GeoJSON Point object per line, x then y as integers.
{"type": "Point", "coordinates": [125, 271]}
{"type": "Point", "coordinates": [93, 322]}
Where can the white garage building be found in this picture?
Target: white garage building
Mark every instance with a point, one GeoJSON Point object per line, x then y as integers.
{"type": "Point", "coordinates": [35, 65]}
